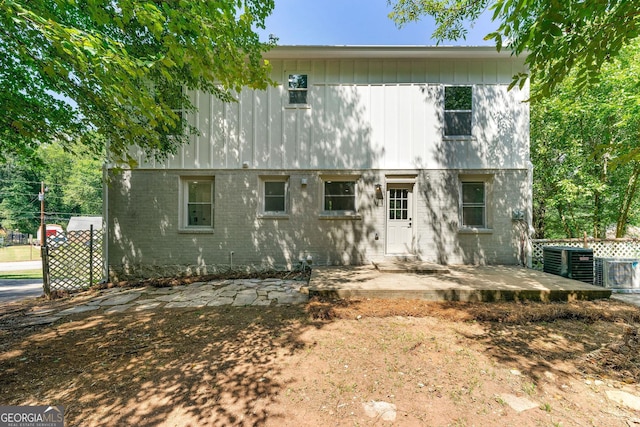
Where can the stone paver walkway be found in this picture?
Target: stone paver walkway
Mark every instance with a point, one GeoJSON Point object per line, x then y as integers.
{"type": "Point", "coordinates": [236, 292]}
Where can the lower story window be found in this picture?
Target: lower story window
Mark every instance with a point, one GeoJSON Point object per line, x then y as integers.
{"type": "Point", "coordinates": [198, 203]}
{"type": "Point", "coordinates": [275, 195]}
{"type": "Point", "coordinates": [340, 196]}
{"type": "Point", "coordinates": [474, 210]}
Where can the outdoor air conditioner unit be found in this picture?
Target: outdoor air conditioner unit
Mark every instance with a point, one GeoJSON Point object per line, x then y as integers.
{"type": "Point", "coordinates": [565, 261]}
{"type": "Point", "coordinates": [621, 274]}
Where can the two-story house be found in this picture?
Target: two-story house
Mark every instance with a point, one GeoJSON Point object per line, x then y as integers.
{"type": "Point", "coordinates": [357, 155]}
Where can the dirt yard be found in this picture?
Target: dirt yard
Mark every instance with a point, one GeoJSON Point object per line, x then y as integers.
{"type": "Point", "coordinates": [440, 364]}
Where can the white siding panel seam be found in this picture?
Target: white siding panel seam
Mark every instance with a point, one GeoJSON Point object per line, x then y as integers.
{"type": "Point", "coordinates": [254, 127]}
{"type": "Point", "coordinates": [239, 133]}
{"type": "Point", "coordinates": [196, 138]}
{"type": "Point", "coordinates": [211, 136]}
{"type": "Point", "coordinates": [225, 134]}
{"type": "Point", "coordinates": [269, 118]}
{"type": "Point", "coordinates": [282, 130]}
{"type": "Point", "coordinates": [182, 156]}
{"type": "Point", "coordinates": [297, 136]}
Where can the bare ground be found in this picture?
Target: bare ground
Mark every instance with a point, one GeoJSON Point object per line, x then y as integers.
{"type": "Point", "coordinates": [441, 364]}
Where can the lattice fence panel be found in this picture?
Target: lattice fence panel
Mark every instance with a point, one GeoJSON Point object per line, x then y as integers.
{"type": "Point", "coordinates": [75, 261]}
{"type": "Point", "coordinates": [605, 248]}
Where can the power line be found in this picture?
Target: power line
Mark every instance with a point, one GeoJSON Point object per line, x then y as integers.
{"type": "Point", "coordinates": [13, 181]}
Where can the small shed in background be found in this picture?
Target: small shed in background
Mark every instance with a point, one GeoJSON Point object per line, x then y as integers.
{"type": "Point", "coordinates": [84, 223]}
{"type": "Point", "coordinates": [79, 228]}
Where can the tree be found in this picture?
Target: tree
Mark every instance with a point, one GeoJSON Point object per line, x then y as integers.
{"type": "Point", "coordinates": [584, 146]}
{"type": "Point", "coordinates": [70, 69]}
{"type": "Point", "coordinates": [558, 35]}
{"type": "Point", "coordinates": [73, 180]}
{"type": "Point", "coordinates": [18, 198]}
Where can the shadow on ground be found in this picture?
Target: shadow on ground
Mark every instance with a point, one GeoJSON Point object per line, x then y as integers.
{"type": "Point", "coordinates": [199, 367]}
{"type": "Point", "coordinates": [264, 365]}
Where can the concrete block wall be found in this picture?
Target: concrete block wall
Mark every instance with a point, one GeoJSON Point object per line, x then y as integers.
{"type": "Point", "coordinates": [440, 237]}
{"type": "Point", "coordinates": [145, 237]}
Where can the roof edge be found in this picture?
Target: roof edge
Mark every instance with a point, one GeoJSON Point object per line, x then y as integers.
{"type": "Point", "coordinates": [381, 52]}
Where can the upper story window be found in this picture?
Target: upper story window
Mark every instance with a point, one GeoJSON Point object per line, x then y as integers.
{"type": "Point", "coordinates": [298, 89]}
{"type": "Point", "coordinates": [198, 203]}
{"type": "Point", "coordinates": [458, 108]}
{"type": "Point", "coordinates": [172, 95]}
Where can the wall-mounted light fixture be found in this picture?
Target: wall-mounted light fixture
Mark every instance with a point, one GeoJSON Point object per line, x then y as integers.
{"type": "Point", "coordinates": [379, 194]}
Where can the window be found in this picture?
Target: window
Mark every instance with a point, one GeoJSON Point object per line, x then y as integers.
{"type": "Point", "coordinates": [457, 110]}
{"type": "Point", "coordinates": [275, 195]}
{"type": "Point", "coordinates": [172, 96]}
{"type": "Point", "coordinates": [297, 89]}
{"type": "Point", "coordinates": [198, 203]}
{"type": "Point", "coordinates": [398, 203]}
{"type": "Point", "coordinates": [340, 196]}
{"type": "Point", "coordinates": [473, 205]}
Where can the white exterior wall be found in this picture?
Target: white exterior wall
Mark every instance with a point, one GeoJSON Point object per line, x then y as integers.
{"type": "Point", "coordinates": [375, 116]}
{"type": "Point", "coordinates": [363, 114]}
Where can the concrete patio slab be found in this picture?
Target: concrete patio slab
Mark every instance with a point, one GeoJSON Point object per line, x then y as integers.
{"type": "Point", "coordinates": [461, 283]}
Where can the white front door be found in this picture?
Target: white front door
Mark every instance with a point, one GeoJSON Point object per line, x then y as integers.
{"type": "Point", "coordinates": [399, 219]}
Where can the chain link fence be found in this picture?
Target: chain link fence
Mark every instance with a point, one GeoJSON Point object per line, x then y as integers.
{"type": "Point", "coordinates": [73, 261]}
{"type": "Point", "coordinates": [14, 238]}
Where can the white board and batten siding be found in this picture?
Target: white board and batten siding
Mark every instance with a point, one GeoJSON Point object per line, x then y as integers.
{"type": "Point", "coordinates": [367, 109]}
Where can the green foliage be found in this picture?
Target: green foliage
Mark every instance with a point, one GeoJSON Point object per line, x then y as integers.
{"type": "Point", "coordinates": [71, 69]}
{"type": "Point", "coordinates": [558, 36]}
{"type": "Point", "coordinates": [73, 180]}
{"type": "Point", "coordinates": [18, 198]}
{"type": "Point", "coordinates": [584, 142]}
{"type": "Point", "coordinates": [458, 98]}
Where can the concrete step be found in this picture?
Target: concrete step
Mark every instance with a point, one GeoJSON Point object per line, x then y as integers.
{"type": "Point", "coordinates": [417, 267]}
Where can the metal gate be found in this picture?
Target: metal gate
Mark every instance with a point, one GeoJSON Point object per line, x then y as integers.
{"type": "Point", "coordinates": [73, 262]}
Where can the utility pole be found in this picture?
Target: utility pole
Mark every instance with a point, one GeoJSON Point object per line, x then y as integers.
{"type": "Point", "coordinates": [43, 244]}
{"type": "Point", "coordinates": [43, 231]}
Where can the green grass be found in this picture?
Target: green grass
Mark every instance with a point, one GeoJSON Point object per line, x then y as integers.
{"type": "Point", "coordinates": [19, 253]}
{"type": "Point", "coordinates": [22, 274]}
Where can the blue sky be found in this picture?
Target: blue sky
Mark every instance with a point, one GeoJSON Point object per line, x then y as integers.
{"type": "Point", "coordinates": [355, 22]}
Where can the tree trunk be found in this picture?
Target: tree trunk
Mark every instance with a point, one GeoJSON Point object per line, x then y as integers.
{"type": "Point", "coordinates": [629, 195]}
{"type": "Point", "coordinates": [597, 215]}
{"type": "Point", "coordinates": [565, 226]}
{"type": "Point", "coordinates": [539, 219]}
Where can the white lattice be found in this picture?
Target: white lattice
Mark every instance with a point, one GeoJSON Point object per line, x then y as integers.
{"type": "Point", "coordinates": [605, 248]}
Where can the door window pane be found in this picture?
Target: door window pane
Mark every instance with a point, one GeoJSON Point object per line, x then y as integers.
{"type": "Point", "coordinates": [398, 203]}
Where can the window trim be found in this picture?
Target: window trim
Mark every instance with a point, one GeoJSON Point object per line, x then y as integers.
{"type": "Point", "coordinates": [487, 180]}
{"type": "Point", "coordinates": [183, 213]}
{"type": "Point", "coordinates": [288, 104]}
{"type": "Point", "coordinates": [262, 212]}
{"type": "Point", "coordinates": [444, 103]}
